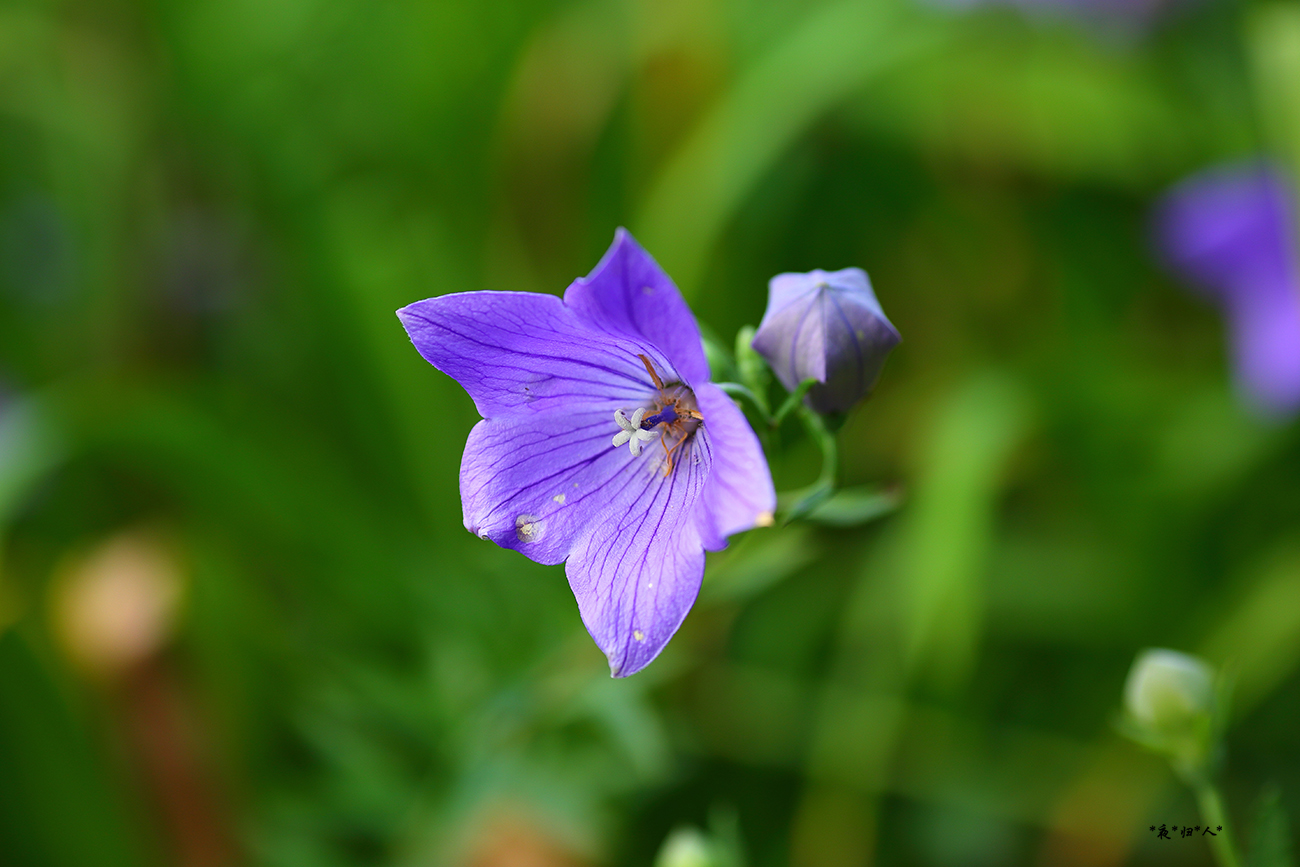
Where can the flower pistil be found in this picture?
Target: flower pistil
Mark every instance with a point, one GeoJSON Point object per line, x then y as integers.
{"type": "Point", "coordinates": [631, 431]}
{"type": "Point", "coordinates": [674, 412]}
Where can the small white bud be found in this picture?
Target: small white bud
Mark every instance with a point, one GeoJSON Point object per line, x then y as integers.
{"type": "Point", "coordinates": [1170, 703]}
{"type": "Point", "coordinates": [1167, 690]}
{"type": "Point", "coordinates": [685, 847]}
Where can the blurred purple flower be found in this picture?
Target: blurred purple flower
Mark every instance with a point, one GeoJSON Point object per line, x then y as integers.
{"type": "Point", "coordinates": [827, 326]}
{"type": "Point", "coordinates": [1123, 13]}
{"type": "Point", "coordinates": [1231, 231]}
{"type": "Point", "coordinates": [562, 385]}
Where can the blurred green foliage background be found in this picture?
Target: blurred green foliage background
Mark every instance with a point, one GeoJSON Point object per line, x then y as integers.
{"type": "Point", "coordinates": [240, 620]}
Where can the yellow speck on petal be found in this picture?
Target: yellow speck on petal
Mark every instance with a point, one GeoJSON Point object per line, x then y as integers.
{"type": "Point", "coordinates": [559, 498]}
{"type": "Point", "coordinates": [764, 519]}
{"type": "Point", "coordinates": [638, 635]}
{"type": "Point", "coordinates": [527, 528]}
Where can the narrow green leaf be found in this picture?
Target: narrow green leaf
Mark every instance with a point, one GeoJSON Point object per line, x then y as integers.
{"type": "Point", "coordinates": [1270, 838]}
{"type": "Point", "coordinates": [854, 506]}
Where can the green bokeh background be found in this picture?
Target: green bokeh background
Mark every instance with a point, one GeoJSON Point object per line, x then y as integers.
{"type": "Point", "coordinates": [210, 209]}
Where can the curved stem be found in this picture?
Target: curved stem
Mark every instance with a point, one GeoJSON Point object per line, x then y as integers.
{"type": "Point", "coordinates": [813, 496]}
{"type": "Point", "coordinates": [792, 401]}
{"type": "Point", "coordinates": [735, 389]}
{"type": "Point", "coordinates": [1207, 797]}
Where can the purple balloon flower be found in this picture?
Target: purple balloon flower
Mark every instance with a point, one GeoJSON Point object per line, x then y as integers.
{"type": "Point", "coordinates": [1231, 231]}
{"type": "Point", "coordinates": [563, 386]}
{"type": "Point", "coordinates": [827, 326]}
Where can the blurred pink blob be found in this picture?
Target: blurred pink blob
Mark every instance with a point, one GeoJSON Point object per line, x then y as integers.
{"type": "Point", "coordinates": [114, 608]}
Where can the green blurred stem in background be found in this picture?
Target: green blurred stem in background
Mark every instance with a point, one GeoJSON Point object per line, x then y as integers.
{"type": "Point", "coordinates": [831, 54]}
{"type": "Point", "coordinates": [1211, 804]}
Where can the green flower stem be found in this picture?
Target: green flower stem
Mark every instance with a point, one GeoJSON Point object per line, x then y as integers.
{"type": "Point", "coordinates": [753, 370]}
{"type": "Point", "coordinates": [735, 389]}
{"type": "Point", "coordinates": [825, 440]}
{"type": "Point", "coordinates": [813, 496]}
{"type": "Point", "coordinates": [792, 401]}
{"type": "Point", "coordinates": [1207, 796]}
{"type": "Point", "coordinates": [809, 498]}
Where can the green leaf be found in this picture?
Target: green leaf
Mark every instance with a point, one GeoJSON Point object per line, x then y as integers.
{"type": "Point", "coordinates": [853, 506]}
{"type": "Point", "coordinates": [951, 522]}
{"type": "Point", "coordinates": [1270, 838]}
{"type": "Point", "coordinates": [30, 445]}
{"type": "Point", "coordinates": [760, 559]}
{"type": "Point", "coordinates": [722, 367]}
{"type": "Point", "coordinates": [1273, 45]}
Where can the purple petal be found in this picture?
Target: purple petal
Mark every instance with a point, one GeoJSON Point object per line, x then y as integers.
{"type": "Point", "coordinates": [537, 483]}
{"type": "Point", "coordinates": [739, 494]}
{"type": "Point", "coordinates": [1232, 232]}
{"type": "Point", "coordinates": [628, 293]}
{"type": "Point", "coordinates": [1138, 13]}
{"type": "Point", "coordinates": [1229, 227]}
{"type": "Point", "coordinates": [515, 352]}
{"type": "Point", "coordinates": [637, 573]}
{"type": "Point", "coordinates": [1265, 328]}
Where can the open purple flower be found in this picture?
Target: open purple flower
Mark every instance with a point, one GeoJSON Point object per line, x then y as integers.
{"type": "Point", "coordinates": [563, 386]}
{"type": "Point", "coordinates": [827, 326]}
{"type": "Point", "coordinates": [1231, 231]}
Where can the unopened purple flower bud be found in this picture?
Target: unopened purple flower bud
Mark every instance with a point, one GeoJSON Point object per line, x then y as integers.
{"type": "Point", "coordinates": [827, 326]}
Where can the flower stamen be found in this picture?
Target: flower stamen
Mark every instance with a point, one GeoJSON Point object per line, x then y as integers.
{"type": "Point", "coordinates": [674, 413]}
{"type": "Point", "coordinates": [659, 383]}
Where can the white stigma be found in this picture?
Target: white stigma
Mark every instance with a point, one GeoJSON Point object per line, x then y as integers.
{"type": "Point", "coordinates": [630, 431]}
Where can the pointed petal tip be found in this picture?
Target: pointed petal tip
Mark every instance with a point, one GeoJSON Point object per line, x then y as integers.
{"type": "Point", "coordinates": [404, 313]}
{"type": "Point", "coordinates": [622, 245]}
{"type": "Point", "coordinates": [624, 237]}
{"type": "Point", "coordinates": [415, 316]}
{"type": "Point", "coordinates": [629, 293]}
{"type": "Point", "coordinates": [627, 666]}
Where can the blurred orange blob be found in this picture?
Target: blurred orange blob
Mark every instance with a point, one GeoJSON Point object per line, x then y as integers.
{"type": "Point", "coordinates": [510, 837]}
{"type": "Point", "coordinates": [114, 607]}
